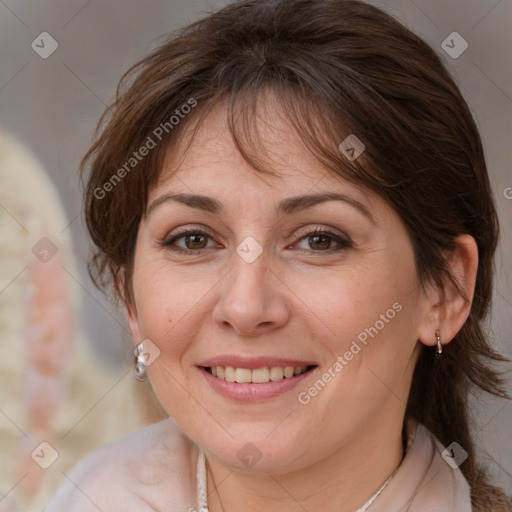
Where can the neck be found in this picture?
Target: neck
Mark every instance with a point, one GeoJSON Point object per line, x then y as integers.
{"type": "Point", "coordinates": [341, 482]}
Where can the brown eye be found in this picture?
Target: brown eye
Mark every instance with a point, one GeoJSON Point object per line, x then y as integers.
{"type": "Point", "coordinates": [320, 242]}
{"type": "Point", "coordinates": [188, 241]}
{"type": "Point", "coordinates": [195, 241]}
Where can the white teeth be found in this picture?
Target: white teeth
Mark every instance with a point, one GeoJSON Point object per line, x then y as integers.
{"type": "Point", "coordinates": [261, 375]}
{"type": "Point", "coordinates": [243, 375]}
{"type": "Point", "coordinates": [288, 372]}
{"type": "Point", "coordinates": [230, 374]}
{"type": "Point", "coordinates": [276, 373]}
{"type": "Point", "coordinates": [258, 375]}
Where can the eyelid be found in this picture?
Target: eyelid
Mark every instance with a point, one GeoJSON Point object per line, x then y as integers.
{"type": "Point", "coordinates": [341, 239]}
{"type": "Point", "coordinates": [189, 227]}
{"type": "Point", "coordinates": [186, 230]}
{"type": "Point", "coordinates": [309, 231]}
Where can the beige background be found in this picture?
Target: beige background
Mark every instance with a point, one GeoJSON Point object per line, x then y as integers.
{"type": "Point", "coordinates": [53, 104]}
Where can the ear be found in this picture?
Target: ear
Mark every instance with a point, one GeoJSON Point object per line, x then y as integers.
{"type": "Point", "coordinates": [133, 320]}
{"type": "Point", "coordinates": [131, 309]}
{"type": "Point", "coordinates": [448, 308]}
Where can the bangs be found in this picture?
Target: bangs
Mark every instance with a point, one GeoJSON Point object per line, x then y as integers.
{"type": "Point", "coordinates": [252, 111]}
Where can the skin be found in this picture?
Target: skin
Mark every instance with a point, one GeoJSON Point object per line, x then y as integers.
{"type": "Point", "coordinates": [299, 299]}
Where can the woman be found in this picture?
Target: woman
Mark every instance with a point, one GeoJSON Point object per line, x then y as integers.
{"type": "Point", "coordinates": [291, 200]}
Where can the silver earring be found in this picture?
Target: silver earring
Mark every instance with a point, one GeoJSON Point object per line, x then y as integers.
{"type": "Point", "coordinates": [140, 368]}
{"type": "Point", "coordinates": [439, 348]}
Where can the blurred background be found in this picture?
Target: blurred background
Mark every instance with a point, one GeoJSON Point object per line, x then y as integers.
{"type": "Point", "coordinates": [60, 62]}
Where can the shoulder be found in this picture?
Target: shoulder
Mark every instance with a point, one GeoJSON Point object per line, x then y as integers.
{"type": "Point", "coordinates": [444, 483]}
{"type": "Point", "coordinates": [151, 469]}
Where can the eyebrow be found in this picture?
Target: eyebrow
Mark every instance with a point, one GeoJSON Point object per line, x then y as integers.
{"type": "Point", "coordinates": [286, 206]}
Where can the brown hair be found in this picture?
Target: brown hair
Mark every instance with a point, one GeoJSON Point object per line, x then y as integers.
{"type": "Point", "coordinates": [335, 67]}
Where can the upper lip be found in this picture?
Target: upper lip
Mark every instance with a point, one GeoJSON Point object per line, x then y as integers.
{"type": "Point", "coordinates": [253, 362]}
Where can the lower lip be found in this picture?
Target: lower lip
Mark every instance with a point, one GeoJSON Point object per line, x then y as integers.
{"type": "Point", "coordinates": [249, 392]}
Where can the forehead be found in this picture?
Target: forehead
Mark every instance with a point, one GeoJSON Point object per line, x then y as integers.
{"type": "Point", "coordinates": [208, 161]}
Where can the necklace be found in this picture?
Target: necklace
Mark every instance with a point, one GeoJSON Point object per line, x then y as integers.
{"type": "Point", "coordinates": [202, 491]}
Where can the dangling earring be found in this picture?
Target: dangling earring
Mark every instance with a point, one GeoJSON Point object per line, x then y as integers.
{"type": "Point", "coordinates": [140, 368]}
{"type": "Point", "coordinates": [439, 348]}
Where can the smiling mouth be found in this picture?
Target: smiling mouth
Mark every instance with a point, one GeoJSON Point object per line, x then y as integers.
{"type": "Point", "coordinates": [257, 375]}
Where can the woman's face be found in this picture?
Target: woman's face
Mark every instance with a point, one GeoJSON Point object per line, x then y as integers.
{"type": "Point", "coordinates": [252, 291]}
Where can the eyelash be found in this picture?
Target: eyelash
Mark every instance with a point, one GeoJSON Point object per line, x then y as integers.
{"type": "Point", "coordinates": [302, 234]}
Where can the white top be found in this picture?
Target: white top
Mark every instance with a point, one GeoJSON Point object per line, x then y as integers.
{"type": "Point", "coordinates": [159, 469]}
{"type": "Point", "coordinates": [202, 487]}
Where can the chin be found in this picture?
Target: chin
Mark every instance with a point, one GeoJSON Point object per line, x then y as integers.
{"type": "Point", "coordinates": [256, 453]}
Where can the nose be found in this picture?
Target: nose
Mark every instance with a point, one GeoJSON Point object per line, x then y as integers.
{"type": "Point", "coordinates": [252, 299]}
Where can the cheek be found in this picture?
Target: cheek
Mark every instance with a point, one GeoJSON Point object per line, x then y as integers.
{"type": "Point", "coordinates": [166, 308]}
{"type": "Point", "coordinates": [353, 305]}
{"type": "Point", "coordinates": [367, 316]}
{"type": "Point", "coordinates": [161, 303]}
{"type": "Point", "coordinates": [171, 307]}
